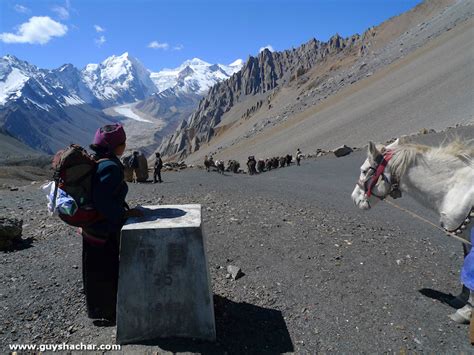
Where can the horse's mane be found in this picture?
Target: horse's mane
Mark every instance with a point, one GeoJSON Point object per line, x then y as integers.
{"type": "Point", "coordinates": [407, 153]}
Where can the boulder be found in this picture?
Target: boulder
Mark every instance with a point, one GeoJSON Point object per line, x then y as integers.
{"type": "Point", "coordinates": [10, 231]}
{"type": "Point", "coordinates": [342, 151]}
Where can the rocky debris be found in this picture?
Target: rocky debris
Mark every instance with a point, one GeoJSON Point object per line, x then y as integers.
{"type": "Point", "coordinates": [342, 151]}
{"type": "Point", "coordinates": [10, 231]}
{"type": "Point", "coordinates": [174, 166]}
{"type": "Point", "coordinates": [234, 272]}
{"type": "Point", "coordinates": [319, 153]}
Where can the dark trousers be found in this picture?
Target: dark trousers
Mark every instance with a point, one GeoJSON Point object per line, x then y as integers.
{"type": "Point", "coordinates": [100, 266]}
{"type": "Point", "coordinates": [157, 173]}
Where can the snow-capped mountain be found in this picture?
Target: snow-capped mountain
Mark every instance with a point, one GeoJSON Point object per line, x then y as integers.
{"type": "Point", "coordinates": [194, 76]}
{"type": "Point", "coordinates": [22, 81]}
{"type": "Point", "coordinates": [13, 76]}
{"type": "Point", "coordinates": [70, 78]}
{"type": "Point", "coordinates": [118, 79]}
{"type": "Point", "coordinates": [47, 109]}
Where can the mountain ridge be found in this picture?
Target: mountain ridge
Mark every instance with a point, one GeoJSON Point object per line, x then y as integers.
{"type": "Point", "coordinates": [27, 91]}
{"type": "Point", "coordinates": [249, 110]}
{"type": "Point", "coordinates": [260, 74]}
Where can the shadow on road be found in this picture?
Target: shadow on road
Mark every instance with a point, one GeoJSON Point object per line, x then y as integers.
{"type": "Point", "coordinates": [241, 328]}
{"type": "Point", "coordinates": [444, 298]}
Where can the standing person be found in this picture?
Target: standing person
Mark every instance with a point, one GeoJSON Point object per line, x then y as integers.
{"type": "Point", "coordinates": [298, 156]}
{"type": "Point", "coordinates": [100, 252]}
{"type": "Point", "coordinates": [134, 164]}
{"type": "Point", "coordinates": [158, 166]}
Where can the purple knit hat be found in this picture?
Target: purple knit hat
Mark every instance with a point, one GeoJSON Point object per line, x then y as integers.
{"type": "Point", "coordinates": [110, 136]}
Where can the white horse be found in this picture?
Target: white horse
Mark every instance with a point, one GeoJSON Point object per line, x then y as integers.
{"type": "Point", "coordinates": [440, 178]}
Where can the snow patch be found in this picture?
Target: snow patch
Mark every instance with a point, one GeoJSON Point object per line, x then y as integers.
{"type": "Point", "coordinates": [73, 100]}
{"type": "Point", "coordinates": [12, 85]}
{"type": "Point", "coordinates": [238, 63]}
{"type": "Point", "coordinates": [126, 110]}
{"type": "Point", "coordinates": [43, 107]}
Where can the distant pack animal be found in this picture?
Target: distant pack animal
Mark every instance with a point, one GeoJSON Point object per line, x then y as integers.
{"type": "Point", "coordinates": [233, 166]}
{"type": "Point", "coordinates": [261, 166]}
{"type": "Point", "coordinates": [441, 178]}
{"type": "Point", "coordinates": [282, 162]}
{"type": "Point", "coordinates": [268, 164]}
{"type": "Point", "coordinates": [289, 158]}
{"type": "Point", "coordinates": [251, 165]}
{"type": "Point", "coordinates": [135, 163]}
{"type": "Point", "coordinates": [220, 166]}
{"type": "Point", "coordinates": [275, 163]}
{"type": "Point", "coordinates": [208, 163]}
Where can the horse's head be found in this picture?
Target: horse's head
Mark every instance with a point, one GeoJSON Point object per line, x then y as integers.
{"type": "Point", "coordinates": [375, 180]}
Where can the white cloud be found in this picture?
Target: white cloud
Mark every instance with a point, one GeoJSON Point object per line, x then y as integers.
{"type": "Point", "coordinates": [21, 9]}
{"type": "Point", "coordinates": [158, 45]}
{"type": "Point", "coordinates": [38, 30]}
{"type": "Point", "coordinates": [178, 47]}
{"type": "Point", "coordinates": [99, 28]}
{"type": "Point", "coordinates": [268, 46]}
{"type": "Point", "coordinates": [62, 12]}
{"type": "Point", "coordinates": [100, 41]}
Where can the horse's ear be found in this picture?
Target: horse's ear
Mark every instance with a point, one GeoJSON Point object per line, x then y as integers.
{"type": "Point", "coordinates": [372, 151]}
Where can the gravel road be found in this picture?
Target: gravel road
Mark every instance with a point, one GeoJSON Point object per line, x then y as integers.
{"type": "Point", "coordinates": [320, 275]}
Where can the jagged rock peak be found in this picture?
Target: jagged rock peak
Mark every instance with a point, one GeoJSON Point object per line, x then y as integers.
{"type": "Point", "coordinates": [259, 74]}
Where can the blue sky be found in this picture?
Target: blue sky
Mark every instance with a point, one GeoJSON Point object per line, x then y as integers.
{"type": "Point", "coordinates": [165, 33]}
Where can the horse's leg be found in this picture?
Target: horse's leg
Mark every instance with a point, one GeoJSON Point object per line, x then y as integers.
{"type": "Point", "coordinates": [463, 301]}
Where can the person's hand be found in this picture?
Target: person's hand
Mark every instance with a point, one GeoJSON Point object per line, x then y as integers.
{"type": "Point", "coordinates": [134, 212]}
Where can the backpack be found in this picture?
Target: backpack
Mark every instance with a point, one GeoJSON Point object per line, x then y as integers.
{"type": "Point", "coordinates": [74, 169]}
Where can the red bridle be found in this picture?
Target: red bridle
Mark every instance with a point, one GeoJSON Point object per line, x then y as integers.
{"type": "Point", "coordinates": [372, 180]}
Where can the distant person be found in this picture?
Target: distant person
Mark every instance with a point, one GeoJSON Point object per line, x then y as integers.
{"type": "Point", "coordinates": [100, 252]}
{"type": "Point", "coordinates": [299, 155]}
{"type": "Point", "coordinates": [134, 164]}
{"type": "Point", "coordinates": [157, 170]}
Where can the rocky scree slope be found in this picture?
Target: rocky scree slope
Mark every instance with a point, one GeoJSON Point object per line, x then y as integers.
{"type": "Point", "coordinates": [274, 87]}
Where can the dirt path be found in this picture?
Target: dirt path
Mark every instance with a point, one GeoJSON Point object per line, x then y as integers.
{"type": "Point", "coordinates": [320, 275]}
